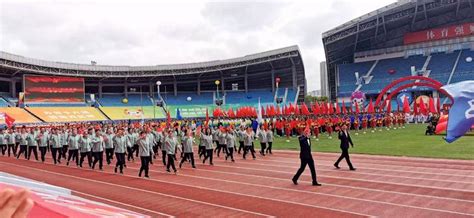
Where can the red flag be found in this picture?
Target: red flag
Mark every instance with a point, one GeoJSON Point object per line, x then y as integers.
{"type": "Point", "coordinates": [432, 106]}
{"type": "Point", "coordinates": [370, 108]}
{"type": "Point", "coordinates": [357, 108]}
{"type": "Point", "coordinates": [422, 107]}
{"type": "Point", "coordinates": [331, 108]}
{"type": "Point", "coordinates": [389, 106]}
{"type": "Point", "coordinates": [415, 108]}
{"type": "Point", "coordinates": [168, 118]}
{"type": "Point", "coordinates": [304, 109]}
{"type": "Point", "coordinates": [338, 110]}
{"type": "Point", "coordinates": [316, 110]}
{"type": "Point", "coordinates": [438, 105]}
{"type": "Point", "coordinates": [406, 106]}
{"type": "Point", "coordinates": [8, 120]}
{"type": "Point", "coordinates": [297, 109]}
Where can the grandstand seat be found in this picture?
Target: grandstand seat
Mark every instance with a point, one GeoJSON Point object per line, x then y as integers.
{"type": "Point", "coordinates": [249, 98]}
{"type": "Point", "coordinates": [3, 102]}
{"type": "Point", "coordinates": [401, 67]}
{"type": "Point", "coordinates": [441, 65]}
{"type": "Point", "coordinates": [347, 80]}
{"type": "Point", "coordinates": [291, 95]}
{"type": "Point", "coordinates": [464, 69]}
{"type": "Point", "coordinates": [182, 98]}
{"type": "Point", "coordinates": [133, 100]}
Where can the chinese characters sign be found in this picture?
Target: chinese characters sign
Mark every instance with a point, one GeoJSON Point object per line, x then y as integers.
{"type": "Point", "coordinates": [67, 114]}
{"type": "Point", "coordinates": [449, 32]}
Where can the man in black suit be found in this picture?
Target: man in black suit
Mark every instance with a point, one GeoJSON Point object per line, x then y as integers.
{"type": "Point", "coordinates": [306, 157]}
{"type": "Point", "coordinates": [345, 140]}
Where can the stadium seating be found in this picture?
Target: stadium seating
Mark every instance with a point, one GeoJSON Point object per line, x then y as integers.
{"type": "Point", "coordinates": [441, 65]}
{"type": "Point", "coordinates": [347, 80]}
{"type": "Point", "coordinates": [400, 66]}
{"type": "Point", "coordinates": [181, 98]}
{"type": "Point", "coordinates": [133, 100]}
{"type": "Point", "coordinates": [464, 69]}
{"type": "Point", "coordinates": [250, 98]}
{"type": "Point", "coordinates": [3, 102]}
{"type": "Point", "coordinates": [291, 95]}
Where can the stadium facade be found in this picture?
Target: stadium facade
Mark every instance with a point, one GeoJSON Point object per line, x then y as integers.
{"type": "Point", "coordinates": [400, 39]}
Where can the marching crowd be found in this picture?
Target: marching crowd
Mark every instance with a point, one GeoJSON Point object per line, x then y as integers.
{"type": "Point", "coordinates": [126, 141]}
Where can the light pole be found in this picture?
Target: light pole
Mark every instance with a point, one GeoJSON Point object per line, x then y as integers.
{"type": "Point", "coordinates": [158, 83]}
{"type": "Point", "coordinates": [217, 82]}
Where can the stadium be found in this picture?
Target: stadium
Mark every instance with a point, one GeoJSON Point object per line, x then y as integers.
{"type": "Point", "coordinates": [390, 75]}
{"type": "Point", "coordinates": [242, 82]}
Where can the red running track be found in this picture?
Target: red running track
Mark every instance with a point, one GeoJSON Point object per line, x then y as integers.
{"type": "Point", "coordinates": [381, 186]}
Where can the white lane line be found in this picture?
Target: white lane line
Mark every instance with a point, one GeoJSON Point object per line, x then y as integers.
{"type": "Point", "coordinates": [399, 165]}
{"type": "Point", "coordinates": [136, 189]}
{"type": "Point", "coordinates": [363, 180]}
{"type": "Point", "coordinates": [384, 157]}
{"type": "Point", "coordinates": [330, 164]}
{"type": "Point", "coordinates": [204, 188]}
{"type": "Point", "coordinates": [341, 186]}
{"type": "Point", "coordinates": [317, 193]}
{"type": "Point", "coordinates": [124, 204]}
{"type": "Point", "coordinates": [364, 173]}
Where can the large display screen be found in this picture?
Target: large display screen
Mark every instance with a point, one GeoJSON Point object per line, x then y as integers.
{"type": "Point", "coordinates": [53, 89]}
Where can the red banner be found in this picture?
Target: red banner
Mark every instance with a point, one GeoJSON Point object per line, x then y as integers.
{"type": "Point", "coordinates": [449, 32]}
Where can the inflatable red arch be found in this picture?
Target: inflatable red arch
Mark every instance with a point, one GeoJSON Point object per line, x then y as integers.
{"type": "Point", "coordinates": [427, 82]}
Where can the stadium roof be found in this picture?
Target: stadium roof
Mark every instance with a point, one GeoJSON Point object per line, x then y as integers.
{"type": "Point", "coordinates": [385, 28]}
{"type": "Point", "coordinates": [18, 62]}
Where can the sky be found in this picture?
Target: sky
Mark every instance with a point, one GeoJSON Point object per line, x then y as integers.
{"type": "Point", "coordinates": [142, 32]}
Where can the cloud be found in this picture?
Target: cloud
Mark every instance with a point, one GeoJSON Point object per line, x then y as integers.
{"type": "Point", "coordinates": [169, 32]}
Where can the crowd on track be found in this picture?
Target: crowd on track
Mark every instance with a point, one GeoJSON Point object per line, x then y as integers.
{"type": "Point", "coordinates": [168, 141]}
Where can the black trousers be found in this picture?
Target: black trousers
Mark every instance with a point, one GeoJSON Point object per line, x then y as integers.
{"type": "Point", "coordinates": [263, 146]}
{"type": "Point", "coordinates": [208, 155]}
{"type": "Point", "coordinates": [16, 146]}
{"type": "Point", "coordinates": [120, 161]}
{"type": "Point", "coordinates": [109, 154]}
{"type": "Point", "coordinates": [201, 151]}
{"type": "Point", "coordinates": [130, 153]}
{"type": "Point", "coordinates": [269, 148]}
{"type": "Point", "coordinates": [155, 151]}
{"type": "Point", "coordinates": [230, 153]}
{"type": "Point", "coordinates": [64, 151]}
{"type": "Point", "coordinates": [344, 154]}
{"type": "Point", "coordinates": [163, 156]}
{"type": "Point", "coordinates": [98, 157]}
{"type": "Point", "coordinates": [56, 153]}
{"type": "Point", "coordinates": [23, 149]}
{"type": "Point", "coordinates": [145, 160]}
{"type": "Point", "coordinates": [89, 158]}
{"type": "Point", "coordinates": [187, 156]}
{"type": "Point", "coordinates": [43, 153]}
{"type": "Point", "coordinates": [73, 154]}
{"type": "Point", "coordinates": [12, 148]}
{"type": "Point", "coordinates": [135, 150]}
{"type": "Point", "coordinates": [310, 163]}
{"type": "Point", "coordinates": [34, 150]}
{"type": "Point", "coordinates": [3, 148]}
{"type": "Point", "coordinates": [170, 162]}
{"type": "Point", "coordinates": [241, 146]}
{"type": "Point", "coordinates": [249, 149]}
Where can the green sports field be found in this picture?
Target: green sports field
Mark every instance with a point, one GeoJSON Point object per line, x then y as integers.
{"type": "Point", "coordinates": [409, 141]}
